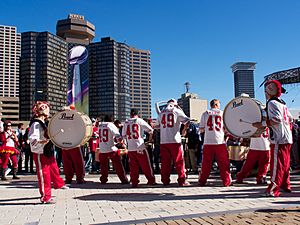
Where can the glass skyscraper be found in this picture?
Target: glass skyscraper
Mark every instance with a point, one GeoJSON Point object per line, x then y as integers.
{"type": "Point", "coordinates": [43, 71]}
{"type": "Point", "coordinates": [243, 78]}
{"type": "Point", "coordinates": [109, 79]}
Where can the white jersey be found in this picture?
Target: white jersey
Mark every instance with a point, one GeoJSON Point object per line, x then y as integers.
{"type": "Point", "coordinates": [36, 134]}
{"type": "Point", "coordinates": [170, 120]}
{"type": "Point", "coordinates": [212, 123]}
{"type": "Point", "coordinates": [281, 132]}
{"type": "Point", "coordinates": [107, 132]}
{"type": "Point", "coordinates": [133, 131]}
{"type": "Point", "coordinates": [261, 143]}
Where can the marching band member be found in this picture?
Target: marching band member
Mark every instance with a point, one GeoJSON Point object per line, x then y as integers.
{"type": "Point", "coordinates": [7, 149]}
{"type": "Point", "coordinates": [138, 155]}
{"type": "Point", "coordinates": [259, 152]}
{"type": "Point", "coordinates": [107, 133]}
{"type": "Point", "coordinates": [279, 121]}
{"type": "Point", "coordinates": [214, 144]}
{"type": "Point", "coordinates": [73, 163]}
{"type": "Point", "coordinates": [46, 167]}
{"type": "Point", "coordinates": [169, 121]}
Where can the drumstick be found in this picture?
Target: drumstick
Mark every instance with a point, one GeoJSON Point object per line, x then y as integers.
{"type": "Point", "coordinates": [241, 120]}
{"type": "Point", "coordinates": [61, 131]}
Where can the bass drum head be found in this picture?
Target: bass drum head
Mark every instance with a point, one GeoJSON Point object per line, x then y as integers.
{"type": "Point", "coordinates": [239, 114]}
{"type": "Point", "coordinates": [69, 129]}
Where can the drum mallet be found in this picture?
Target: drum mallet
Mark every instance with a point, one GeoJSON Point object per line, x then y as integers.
{"type": "Point", "coordinates": [241, 120]}
{"type": "Point", "coordinates": [61, 131]}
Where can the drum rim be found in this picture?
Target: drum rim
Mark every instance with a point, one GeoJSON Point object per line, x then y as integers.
{"type": "Point", "coordinates": [239, 97]}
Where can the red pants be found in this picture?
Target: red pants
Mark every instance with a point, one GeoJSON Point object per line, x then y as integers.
{"type": "Point", "coordinates": [253, 156]}
{"type": "Point", "coordinates": [5, 158]}
{"type": "Point", "coordinates": [137, 160]}
{"type": "Point", "coordinates": [220, 153]}
{"type": "Point", "coordinates": [279, 169]}
{"type": "Point", "coordinates": [47, 171]}
{"type": "Point", "coordinates": [73, 163]}
{"type": "Point", "coordinates": [104, 164]}
{"type": "Point", "coordinates": [168, 153]}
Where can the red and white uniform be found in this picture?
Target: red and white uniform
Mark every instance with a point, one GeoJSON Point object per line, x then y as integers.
{"type": "Point", "coordinates": [281, 141]}
{"type": "Point", "coordinates": [133, 130]}
{"type": "Point", "coordinates": [46, 167]}
{"type": "Point", "coordinates": [259, 152]}
{"type": "Point", "coordinates": [107, 133]}
{"type": "Point", "coordinates": [214, 146]}
{"type": "Point", "coordinates": [8, 150]}
{"type": "Point", "coordinates": [169, 121]}
{"type": "Point", "coordinates": [73, 163]}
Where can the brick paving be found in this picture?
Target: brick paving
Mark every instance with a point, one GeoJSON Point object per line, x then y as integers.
{"type": "Point", "coordinates": [113, 203]}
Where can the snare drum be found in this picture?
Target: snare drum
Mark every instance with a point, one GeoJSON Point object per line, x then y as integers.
{"type": "Point", "coordinates": [69, 129]}
{"type": "Point", "coordinates": [237, 153]}
{"type": "Point", "coordinates": [240, 113]}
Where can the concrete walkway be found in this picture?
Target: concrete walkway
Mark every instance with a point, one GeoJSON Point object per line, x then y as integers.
{"type": "Point", "coordinates": [114, 203]}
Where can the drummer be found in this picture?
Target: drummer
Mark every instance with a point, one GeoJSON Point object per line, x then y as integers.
{"type": "Point", "coordinates": [279, 121]}
{"type": "Point", "coordinates": [214, 144]}
{"type": "Point", "coordinates": [73, 163]}
{"type": "Point", "coordinates": [259, 152]}
{"type": "Point", "coordinates": [46, 166]}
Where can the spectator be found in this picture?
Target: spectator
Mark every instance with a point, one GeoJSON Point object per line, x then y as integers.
{"type": "Point", "coordinates": [9, 141]}
{"type": "Point", "coordinates": [192, 146]}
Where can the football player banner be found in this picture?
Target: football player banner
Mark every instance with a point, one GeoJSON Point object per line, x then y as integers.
{"type": "Point", "coordinates": [77, 94]}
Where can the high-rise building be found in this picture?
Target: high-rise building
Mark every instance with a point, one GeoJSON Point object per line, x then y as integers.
{"type": "Point", "coordinates": [140, 79]}
{"type": "Point", "coordinates": [43, 71]}
{"type": "Point", "coordinates": [10, 51]}
{"type": "Point", "coordinates": [243, 78]}
{"type": "Point", "coordinates": [75, 29]}
{"type": "Point", "coordinates": [109, 79]}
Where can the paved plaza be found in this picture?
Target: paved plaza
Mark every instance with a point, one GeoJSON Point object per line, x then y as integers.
{"type": "Point", "coordinates": [114, 203]}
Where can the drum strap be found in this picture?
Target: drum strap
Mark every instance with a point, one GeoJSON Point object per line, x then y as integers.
{"type": "Point", "coordinates": [43, 126]}
{"type": "Point", "coordinates": [278, 100]}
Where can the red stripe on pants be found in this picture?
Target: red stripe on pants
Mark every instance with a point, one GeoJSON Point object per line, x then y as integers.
{"type": "Point", "coordinates": [220, 153]}
{"type": "Point", "coordinates": [168, 153]}
{"type": "Point", "coordinates": [73, 163]}
{"type": "Point", "coordinates": [47, 171]}
{"type": "Point", "coordinates": [279, 168]}
{"type": "Point", "coordinates": [116, 161]}
{"type": "Point", "coordinates": [137, 160]}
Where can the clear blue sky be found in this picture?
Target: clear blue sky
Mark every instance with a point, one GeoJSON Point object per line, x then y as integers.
{"type": "Point", "coordinates": [195, 40]}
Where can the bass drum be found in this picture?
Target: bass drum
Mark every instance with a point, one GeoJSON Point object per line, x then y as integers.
{"type": "Point", "coordinates": [69, 129]}
{"type": "Point", "coordinates": [240, 113]}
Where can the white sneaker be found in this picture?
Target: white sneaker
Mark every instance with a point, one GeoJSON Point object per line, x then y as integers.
{"type": "Point", "coordinates": [64, 187]}
{"type": "Point", "coordinates": [7, 171]}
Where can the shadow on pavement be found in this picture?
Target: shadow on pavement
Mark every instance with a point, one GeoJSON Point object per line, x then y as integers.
{"type": "Point", "coordinates": [162, 196]}
{"type": "Point", "coordinates": [277, 210]}
{"type": "Point", "coordinates": [21, 184]}
{"type": "Point", "coordinates": [11, 201]}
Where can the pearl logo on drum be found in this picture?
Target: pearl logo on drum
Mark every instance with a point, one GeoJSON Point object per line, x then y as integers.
{"type": "Point", "coordinates": [237, 104]}
{"type": "Point", "coordinates": [64, 116]}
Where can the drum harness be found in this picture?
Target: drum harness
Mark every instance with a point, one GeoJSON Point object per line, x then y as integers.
{"type": "Point", "coordinates": [278, 100]}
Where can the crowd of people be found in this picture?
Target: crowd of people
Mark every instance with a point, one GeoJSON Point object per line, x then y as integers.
{"type": "Point", "coordinates": [173, 143]}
